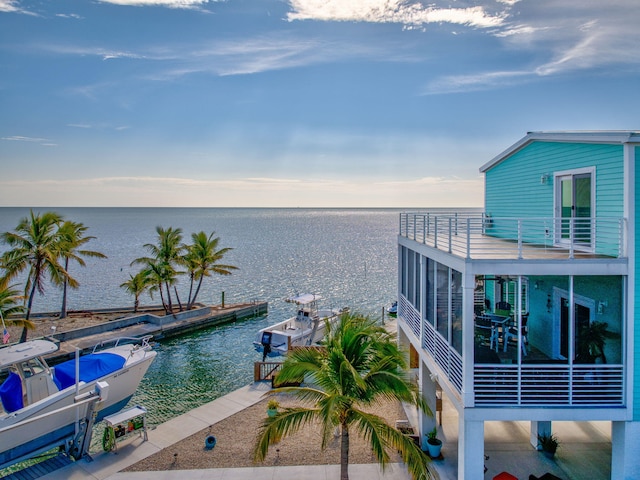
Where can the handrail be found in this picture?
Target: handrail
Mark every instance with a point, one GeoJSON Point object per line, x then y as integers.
{"type": "Point", "coordinates": [475, 235]}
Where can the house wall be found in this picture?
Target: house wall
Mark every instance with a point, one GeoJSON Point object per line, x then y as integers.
{"type": "Point", "coordinates": [513, 187]}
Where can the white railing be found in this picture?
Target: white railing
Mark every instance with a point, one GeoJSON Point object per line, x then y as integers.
{"type": "Point", "coordinates": [475, 235]}
{"type": "Point", "coordinates": [523, 385]}
{"type": "Point", "coordinates": [549, 385]}
{"type": "Point", "coordinates": [447, 358]}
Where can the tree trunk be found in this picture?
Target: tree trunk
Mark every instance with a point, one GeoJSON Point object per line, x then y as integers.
{"type": "Point", "coordinates": [195, 295]}
{"type": "Point", "coordinates": [344, 453]}
{"type": "Point", "coordinates": [23, 335]}
{"type": "Point", "coordinates": [169, 304]}
{"type": "Point", "coordinates": [189, 300]}
{"type": "Point", "coordinates": [136, 304]}
{"type": "Point", "coordinates": [63, 310]}
{"type": "Point", "coordinates": [177, 298]}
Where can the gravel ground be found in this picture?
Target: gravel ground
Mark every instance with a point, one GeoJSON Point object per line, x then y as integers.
{"type": "Point", "coordinates": [236, 439]}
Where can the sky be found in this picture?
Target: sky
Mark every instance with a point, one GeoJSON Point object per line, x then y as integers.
{"type": "Point", "coordinates": [297, 103]}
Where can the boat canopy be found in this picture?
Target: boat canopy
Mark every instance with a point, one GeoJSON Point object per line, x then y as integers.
{"type": "Point", "coordinates": [304, 298]}
{"type": "Point", "coordinates": [92, 367]}
{"type": "Point", "coordinates": [22, 352]}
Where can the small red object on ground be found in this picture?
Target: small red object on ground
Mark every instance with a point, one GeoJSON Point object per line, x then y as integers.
{"type": "Point", "coordinates": [504, 476]}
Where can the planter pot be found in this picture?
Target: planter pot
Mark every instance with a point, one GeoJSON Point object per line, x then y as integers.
{"type": "Point", "coordinates": [272, 412]}
{"type": "Point", "coordinates": [434, 445]}
{"type": "Point", "coordinates": [549, 455]}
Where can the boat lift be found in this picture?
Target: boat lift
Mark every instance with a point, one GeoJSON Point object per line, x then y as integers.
{"type": "Point", "coordinates": [76, 445]}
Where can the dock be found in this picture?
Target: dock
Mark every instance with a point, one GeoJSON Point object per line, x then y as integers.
{"type": "Point", "coordinates": [143, 324]}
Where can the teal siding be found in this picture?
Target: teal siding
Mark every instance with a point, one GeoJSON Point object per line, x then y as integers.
{"type": "Point", "coordinates": [513, 187]}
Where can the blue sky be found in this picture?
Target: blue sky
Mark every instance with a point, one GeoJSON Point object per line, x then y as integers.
{"type": "Point", "coordinates": [297, 103]}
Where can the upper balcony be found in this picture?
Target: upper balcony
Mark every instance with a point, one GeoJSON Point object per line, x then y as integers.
{"type": "Point", "coordinates": [471, 234]}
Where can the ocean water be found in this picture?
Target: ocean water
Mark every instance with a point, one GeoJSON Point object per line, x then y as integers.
{"type": "Point", "coordinates": [348, 256]}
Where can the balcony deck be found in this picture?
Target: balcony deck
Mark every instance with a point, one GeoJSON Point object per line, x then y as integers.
{"type": "Point", "coordinates": [473, 235]}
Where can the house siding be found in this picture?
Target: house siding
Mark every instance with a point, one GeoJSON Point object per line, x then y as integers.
{"type": "Point", "coordinates": [513, 187]}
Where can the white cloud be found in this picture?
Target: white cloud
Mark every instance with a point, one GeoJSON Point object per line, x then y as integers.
{"type": "Point", "coordinates": [13, 6]}
{"type": "Point", "coordinates": [592, 36]}
{"type": "Point", "coordinates": [159, 3]}
{"type": "Point", "coordinates": [19, 138]}
{"type": "Point", "coordinates": [390, 11]}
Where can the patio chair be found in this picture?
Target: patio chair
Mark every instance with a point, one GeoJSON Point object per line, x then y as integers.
{"type": "Point", "coordinates": [487, 331]}
{"type": "Point", "coordinates": [512, 333]}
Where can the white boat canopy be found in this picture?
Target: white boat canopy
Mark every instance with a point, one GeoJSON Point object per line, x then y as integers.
{"type": "Point", "coordinates": [21, 352]}
{"type": "Point", "coordinates": [304, 298]}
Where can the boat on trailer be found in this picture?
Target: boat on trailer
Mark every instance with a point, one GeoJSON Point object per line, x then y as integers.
{"type": "Point", "coordinates": [45, 407]}
{"type": "Point", "coordinates": [306, 328]}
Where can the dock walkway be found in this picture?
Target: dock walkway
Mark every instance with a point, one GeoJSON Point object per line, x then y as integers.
{"type": "Point", "coordinates": [137, 326]}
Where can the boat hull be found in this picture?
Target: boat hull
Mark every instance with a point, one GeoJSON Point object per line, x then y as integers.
{"type": "Point", "coordinates": [21, 438]}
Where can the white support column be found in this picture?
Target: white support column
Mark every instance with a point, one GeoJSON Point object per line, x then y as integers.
{"type": "Point", "coordinates": [468, 336]}
{"type": "Point", "coordinates": [538, 428]}
{"type": "Point", "coordinates": [428, 388]}
{"type": "Point", "coordinates": [470, 449]}
{"type": "Point", "coordinates": [625, 438]}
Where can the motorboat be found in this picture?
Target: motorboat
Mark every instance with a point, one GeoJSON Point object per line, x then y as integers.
{"type": "Point", "coordinates": [306, 328]}
{"type": "Point", "coordinates": [45, 407]}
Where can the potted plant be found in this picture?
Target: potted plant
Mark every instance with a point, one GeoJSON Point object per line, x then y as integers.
{"type": "Point", "coordinates": [272, 407]}
{"type": "Point", "coordinates": [548, 443]}
{"type": "Point", "coordinates": [434, 444]}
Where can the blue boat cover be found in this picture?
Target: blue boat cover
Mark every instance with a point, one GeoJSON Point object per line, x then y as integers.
{"type": "Point", "coordinates": [11, 393]}
{"type": "Point", "coordinates": [92, 367]}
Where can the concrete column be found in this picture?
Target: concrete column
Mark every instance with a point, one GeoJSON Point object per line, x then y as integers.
{"type": "Point", "coordinates": [470, 449]}
{"type": "Point", "coordinates": [538, 428]}
{"type": "Point", "coordinates": [625, 438]}
{"type": "Point", "coordinates": [428, 388]}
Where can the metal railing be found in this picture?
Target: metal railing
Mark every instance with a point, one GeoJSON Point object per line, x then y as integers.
{"type": "Point", "coordinates": [522, 385]}
{"type": "Point", "coordinates": [475, 235]}
{"type": "Point", "coordinates": [549, 385]}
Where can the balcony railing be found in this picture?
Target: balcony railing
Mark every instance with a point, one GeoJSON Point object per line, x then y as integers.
{"type": "Point", "coordinates": [549, 385]}
{"type": "Point", "coordinates": [474, 235]}
{"type": "Point", "coordinates": [521, 385]}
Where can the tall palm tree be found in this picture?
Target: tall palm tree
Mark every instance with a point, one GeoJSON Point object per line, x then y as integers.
{"type": "Point", "coordinates": [360, 365]}
{"type": "Point", "coordinates": [202, 259]}
{"type": "Point", "coordinates": [136, 286]}
{"type": "Point", "coordinates": [72, 240]}
{"type": "Point", "coordinates": [11, 303]}
{"type": "Point", "coordinates": [164, 258]}
{"type": "Point", "coordinates": [35, 246]}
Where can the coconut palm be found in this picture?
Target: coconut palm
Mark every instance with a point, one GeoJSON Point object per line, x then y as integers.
{"type": "Point", "coordinates": [165, 257]}
{"type": "Point", "coordinates": [72, 240]}
{"type": "Point", "coordinates": [136, 286]}
{"type": "Point", "coordinates": [202, 259]}
{"type": "Point", "coordinates": [35, 246]}
{"type": "Point", "coordinates": [360, 365]}
{"type": "Point", "coordinates": [11, 304]}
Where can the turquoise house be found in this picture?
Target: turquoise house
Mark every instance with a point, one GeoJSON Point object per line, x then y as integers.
{"type": "Point", "coordinates": [525, 309]}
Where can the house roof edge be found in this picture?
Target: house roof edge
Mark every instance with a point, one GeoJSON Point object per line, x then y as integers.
{"type": "Point", "coordinates": [595, 136]}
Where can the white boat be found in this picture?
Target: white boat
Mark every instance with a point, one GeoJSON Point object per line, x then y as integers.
{"type": "Point", "coordinates": [307, 327]}
{"type": "Point", "coordinates": [44, 407]}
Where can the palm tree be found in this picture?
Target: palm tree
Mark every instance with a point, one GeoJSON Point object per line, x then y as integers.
{"type": "Point", "coordinates": [165, 256]}
{"type": "Point", "coordinates": [11, 304]}
{"type": "Point", "coordinates": [35, 246]}
{"type": "Point", "coordinates": [202, 259]}
{"type": "Point", "coordinates": [360, 365]}
{"type": "Point", "coordinates": [72, 239]}
{"type": "Point", "coordinates": [136, 286]}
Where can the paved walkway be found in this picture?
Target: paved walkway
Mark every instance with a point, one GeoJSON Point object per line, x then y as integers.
{"type": "Point", "coordinates": [107, 465]}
